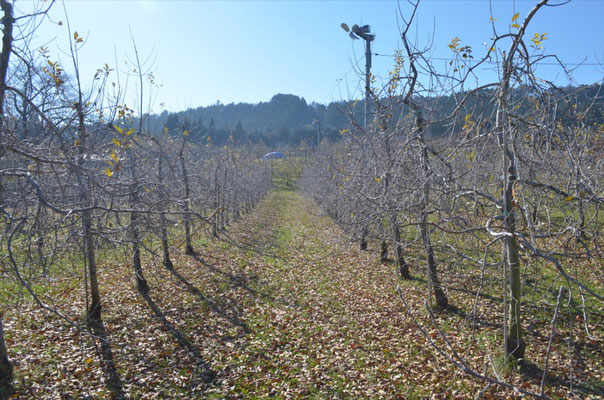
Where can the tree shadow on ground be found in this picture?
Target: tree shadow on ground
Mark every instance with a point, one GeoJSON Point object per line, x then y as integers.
{"type": "Point", "coordinates": [452, 309]}
{"type": "Point", "coordinates": [533, 371]}
{"type": "Point", "coordinates": [232, 317]}
{"type": "Point", "coordinates": [112, 377]}
{"type": "Point", "coordinates": [204, 371]}
{"type": "Point", "coordinates": [249, 237]}
{"type": "Point", "coordinates": [253, 245]}
{"type": "Point", "coordinates": [496, 299]}
{"type": "Point", "coordinates": [234, 280]}
{"type": "Point", "coordinates": [6, 391]}
{"type": "Point", "coordinates": [528, 368]}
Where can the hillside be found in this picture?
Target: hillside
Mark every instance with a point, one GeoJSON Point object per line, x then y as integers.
{"type": "Point", "coordinates": [288, 120]}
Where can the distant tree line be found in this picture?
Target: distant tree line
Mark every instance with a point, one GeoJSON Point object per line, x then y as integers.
{"type": "Point", "coordinates": [288, 120]}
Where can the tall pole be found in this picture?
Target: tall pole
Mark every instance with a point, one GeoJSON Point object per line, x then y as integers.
{"type": "Point", "coordinates": [367, 76]}
{"type": "Point", "coordinates": [368, 39]}
{"type": "Point", "coordinates": [363, 32]}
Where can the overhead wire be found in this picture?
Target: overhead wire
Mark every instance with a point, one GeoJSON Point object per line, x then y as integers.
{"type": "Point", "coordinates": [345, 76]}
{"type": "Point", "coordinates": [495, 62]}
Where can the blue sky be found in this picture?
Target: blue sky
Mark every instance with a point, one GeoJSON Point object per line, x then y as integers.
{"type": "Point", "coordinates": [202, 51]}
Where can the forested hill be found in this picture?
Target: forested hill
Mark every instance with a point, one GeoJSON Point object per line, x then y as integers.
{"type": "Point", "coordinates": [289, 120]}
{"type": "Point", "coordinates": [285, 119]}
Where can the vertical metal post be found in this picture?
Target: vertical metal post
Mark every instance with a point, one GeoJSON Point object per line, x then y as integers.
{"type": "Point", "coordinates": [367, 76]}
{"type": "Point", "coordinates": [363, 32]}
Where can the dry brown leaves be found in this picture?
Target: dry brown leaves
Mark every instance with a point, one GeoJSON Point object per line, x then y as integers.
{"type": "Point", "coordinates": [291, 311]}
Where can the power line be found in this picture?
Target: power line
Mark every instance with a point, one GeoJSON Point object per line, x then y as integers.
{"type": "Point", "coordinates": [355, 65]}
{"type": "Point", "coordinates": [494, 62]}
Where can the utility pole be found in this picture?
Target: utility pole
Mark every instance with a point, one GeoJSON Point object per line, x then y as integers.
{"type": "Point", "coordinates": [318, 124]}
{"type": "Point", "coordinates": [363, 32]}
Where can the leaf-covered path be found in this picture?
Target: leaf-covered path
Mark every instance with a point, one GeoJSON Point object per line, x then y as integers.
{"type": "Point", "coordinates": [329, 323]}
{"type": "Point", "coordinates": [328, 326]}
{"type": "Point", "coordinates": [280, 305]}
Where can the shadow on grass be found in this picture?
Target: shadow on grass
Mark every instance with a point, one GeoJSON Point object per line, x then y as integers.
{"type": "Point", "coordinates": [528, 368]}
{"type": "Point", "coordinates": [112, 377]}
{"type": "Point", "coordinates": [202, 367]}
{"type": "Point", "coordinates": [452, 309]}
{"type": "Point", "coordinates": [496, 299]}
{"type": "Point", "coordinates": [531, 370]}
{"type": "Point", "coordinates": [6, 390]}
{"type": "Point", "coordinates": [253, 245]}
{"type": "Point", "coordinates": [287, 185]}
{"type": "Point", "coordinates": [254, 236]}
{"type": "Point", "coordinates": [216, 308]}
{"type": "Point", "coordinates": [236, 281]}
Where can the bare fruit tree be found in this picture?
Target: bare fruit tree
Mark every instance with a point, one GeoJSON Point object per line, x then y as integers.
{"type": "Point", "coordinates": [476, 167]}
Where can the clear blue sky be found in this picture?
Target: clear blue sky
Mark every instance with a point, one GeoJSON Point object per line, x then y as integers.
{"type": "Point", "coordinates": [247, 51]}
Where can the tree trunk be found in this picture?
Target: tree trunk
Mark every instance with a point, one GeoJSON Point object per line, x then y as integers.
{"type": "Point", "coordinates": [162, 215]}
{"type": "Point", "coordinates": [514, 344]}
{"type": "Point", "coordinates": [384, 251]}
{"type": "Point", "coordinates": [236, 206]}
{"type": "Point", "coordinates": [403, 267]}
{"type": "Point", "coordinates": [364, 234]}
{"type": "Point", "coordinates": [6, 368]}
{"type": "Point", "coordinates": [580, 207]}
{"type": "Point", "coordinates": [141, 282]}
{"type": "Point", "coordinates": [187, 206]}
{"type": "Point", "coordinates": [94, 312]}
{"type": "Point", "coordinates": [215, 205]}
{"type": "Point", "coordinates": [224, 209]}
{"type": "Point", "coordinates": [433, 281]}
{"type": "Point", "coordinates": [38, 224]}
{"type": "Point", "coordinates": [7, 46]}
